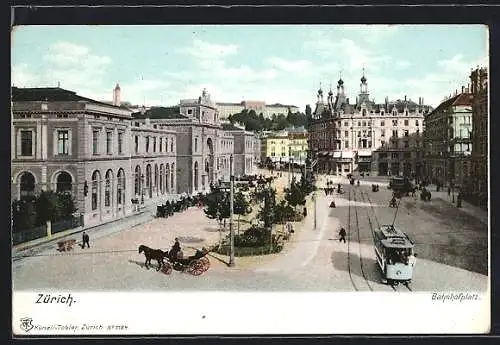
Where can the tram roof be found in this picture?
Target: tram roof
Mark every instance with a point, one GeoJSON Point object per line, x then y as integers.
{"type": "Point", "coordinates": [393, 237]}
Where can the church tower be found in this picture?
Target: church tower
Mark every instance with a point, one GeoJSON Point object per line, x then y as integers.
{"type": "Point", "coordinates": [116, 96]}
{"type": "Point", "coordinates": [364, 96]}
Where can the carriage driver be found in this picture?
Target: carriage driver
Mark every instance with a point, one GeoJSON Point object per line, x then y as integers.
{"type": "Point", "coordinates": [176, 249]}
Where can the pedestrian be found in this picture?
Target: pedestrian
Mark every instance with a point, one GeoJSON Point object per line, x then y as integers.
{"type": "Point", "coordinates": [305, 212]}
{"type": "Point", "coordinates": [449, 191]}
{"type": "Point", "coordinates": [85, 240]}
{"type": "Point", "coordinates": [342, 234]}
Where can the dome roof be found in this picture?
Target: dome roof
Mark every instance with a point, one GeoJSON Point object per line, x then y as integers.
{"type": "Point", "coordinates": [330, 93]}
{"type": "Point", "coordinates": [341, 82]}
{"type": "Point", "coordinates": [320, 91]}
{"type": "Point", "coordinates": [363, 79]}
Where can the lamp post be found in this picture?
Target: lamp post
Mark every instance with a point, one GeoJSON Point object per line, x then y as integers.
{"type": "Point", "coordinates": [314, 197]}
{"type": "Point", "coordinates": [231, 202]}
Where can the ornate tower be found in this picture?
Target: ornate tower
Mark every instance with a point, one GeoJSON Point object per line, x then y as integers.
{"type": "Point", "coordinates": [116, 95]}
{"type": "Point", "coordinates": [363, 90]}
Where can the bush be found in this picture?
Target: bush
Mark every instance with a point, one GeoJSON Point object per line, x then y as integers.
{"type": "Point", "coordinates": [249, 251]}
{"type": "Point", "coordinates": [23, 215]}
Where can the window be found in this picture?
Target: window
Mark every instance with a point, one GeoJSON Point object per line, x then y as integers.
{"type": "Point", "coordinates": [120, 143]}
{"type": "Point", "coordinates": [394, 122]}
{"type": "Point", "coordinates": [382, 123]}
{"type": "Point", "coordinates": [147, 144]}
{"type": "Point", "coordinates": [364, 123]}
{"type": "Point", "coordinates": [62, 142]}
{"type": "Point", "coordinates": [406, 122]}
{"type": "Point", "coordinates": [364, 112]}
{"type": "Point", "coordinates": [154, 144]}
{"type": "Point", "coordinates": [382, 113]}
{"type": "Point", "coordinates": [394, 155]}
{"type": "Point", "coordinates": [136, 144]}
{"type": "Point", "coordinates": [95, 189]}
{"type": "Point", "coordinates": [382, 133]}
{"type": "Point", "coordinates": [416, 122]}
{"type": "Point", "coordinates": [161, 144]}
{"type": "Point", "coordinates": [109, 142]}
{"type": "Point", "coordinates": [195, 144]}
{"type": "Point", "coordinates": [63, 182]}
{"type": "Point", "coordinates": [190, 111]}
{"type": "Point", "coordinates": [346, 144]}
{"type": "Point", "coordinates": [395, 133]}
{"type": "Point", "coordinates": [346, 134]}
{"type": "Point", "coordinates": [26, 143]}
{"type": "Point", "coordinates": [359, 123]}
{"type": "Point", "coordinates": [406, 132]}
{"type": "Point", "coordinates": [95, 142]}
{"type": "Point", "coordinates": [120, 187]}
{"type": "Point", "coordinates": [107, 189]}
{"type": "Point", "coordinates": [406, 112]}
{"type": "Point", "coordinates": [346, 123]}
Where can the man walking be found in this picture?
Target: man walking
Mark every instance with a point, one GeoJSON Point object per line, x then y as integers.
{"type": "Point", "coordinates": [342, 234]}
{"type": "Point", "coordinates": [85, 240]}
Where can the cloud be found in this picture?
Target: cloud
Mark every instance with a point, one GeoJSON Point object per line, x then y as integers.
{"type": "Point", "coordinates": [21, 76]}
{"type": "Point", "coordinates": [302, 66]}
{"type": "Point", "coordinates": [208, 51]}
{"type": "Point", "coordinates": [402, 64]}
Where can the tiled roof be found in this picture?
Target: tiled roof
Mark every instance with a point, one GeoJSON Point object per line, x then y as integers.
{"type": "Point", "coordinates": [460, 99]}
{"type": "Point", "coordinates": [231, 127]}
{"type": "Point", "coordinates": [160, 113]}
{"type": "Point", "coordinates": [51, 94]}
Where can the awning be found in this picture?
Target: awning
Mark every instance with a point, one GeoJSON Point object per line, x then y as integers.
{"type": "Point", "coordinates": [348, 154]}
{"type": "Point", "coordinates": [364, 153]}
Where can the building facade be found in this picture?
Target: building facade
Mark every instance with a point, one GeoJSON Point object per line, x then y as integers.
{"type": "Point", "coordinates": [68, 143]}
{"type": "Point", "coordinates": [260, 107]}
{"type": "Point", "coordinates": [448, 141]}
{"type": "Point", "coordinates": [380, 139]}
{"type": "Point", "coordinates": [298, 144]}
{"type": "Point", "coordinates": [478, 186]}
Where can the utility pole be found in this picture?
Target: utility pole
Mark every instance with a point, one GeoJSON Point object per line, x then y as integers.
{"type": "Point", "coordinates": [231, 201]}
{"type": "Point", "coordinates": [289, 165]}
{"type": "Point", "coordinates": [315, 218]}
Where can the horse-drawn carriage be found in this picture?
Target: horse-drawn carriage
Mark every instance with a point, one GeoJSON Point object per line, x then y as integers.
{"type": "Point", "coordinates": [195, 264]}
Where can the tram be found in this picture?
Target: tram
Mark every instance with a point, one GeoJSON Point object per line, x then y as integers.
{"type": "Point", "coordinates": [395, 256]}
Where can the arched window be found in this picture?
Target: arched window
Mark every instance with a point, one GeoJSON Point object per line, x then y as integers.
{"type": "Point", "coordinates": [27, 186]}
{"type": "Point", "coordinates": [63, 182]}
{"type": "Point", "coordinates": [107, 188]}
{"type": "Point", "coordinates": [167, 177]}
{"type": "Point", "coordinates": [172, 172]}
{"type": "Point", "coordinates": [162, 178]}
{"type": "Point", "coordinates": [195, 144]}
{"type": "Point", "coordinates": [149, 180]}
{"type": "Point", "coordinates": [156, 178]}
{"type": "Point", "coordinates": [120, 187]}
{"type": "Point", "coordinates": [96, 178]}
{"type": "Point", "coordinates": [137, 179]}
{"type": "Point", "coordinates": [172, 145]}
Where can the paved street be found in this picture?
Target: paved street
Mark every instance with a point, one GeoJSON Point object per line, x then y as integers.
{"type": "Point", "coordinates": [452, 248]}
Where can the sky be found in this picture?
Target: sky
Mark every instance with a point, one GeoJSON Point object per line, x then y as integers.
{"type": "Point", "coordinates": [159, 65]}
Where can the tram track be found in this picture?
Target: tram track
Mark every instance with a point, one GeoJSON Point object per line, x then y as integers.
{"type": "Point", "coordinates": [363, 195]}
{"type": "Point", "coordinates": [349, 252]}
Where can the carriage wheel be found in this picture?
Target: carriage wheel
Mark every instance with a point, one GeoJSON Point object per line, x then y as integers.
{"type": "Point", "coordinates": [206, 263]}
{"type": "Point", "coordinates": [198, 268]}
{"type": "Point", "coordinates": [191, 267]}
{"type": "Point", "coordinates": [167, 268]}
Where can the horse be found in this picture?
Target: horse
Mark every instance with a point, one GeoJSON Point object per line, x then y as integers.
{"type": "Point", "coordinates": [156, 254]}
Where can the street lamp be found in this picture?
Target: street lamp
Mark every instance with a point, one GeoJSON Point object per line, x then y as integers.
{"type": "Point", "coordinates": [231, 202]}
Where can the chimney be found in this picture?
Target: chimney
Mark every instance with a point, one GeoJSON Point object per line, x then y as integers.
{"type": "Point", "coordinates": [422, 100]}
{"type": "Point", "coordinates": [463, 89]}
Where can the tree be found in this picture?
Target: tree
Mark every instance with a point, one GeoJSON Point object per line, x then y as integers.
{"type": "Point", "coordinates": [23, 215]}
{"type": "Point", "coordinates": [294, 194]}
{"type": "Point", "coordinates": [283, 212]}
{"type": "Point", "coordinates": [241, 207]}
{"type": "Point", "coordinates": [47, 207]}
{"type": "Point", "coordinates": [266, 213]}
{"type": "Point", "coordinates": [66, 204]}
{"type": "Point", "coordinates": [217, 205]}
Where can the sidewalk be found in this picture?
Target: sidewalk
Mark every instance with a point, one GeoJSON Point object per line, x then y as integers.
{"type": "Point", "coordinates": [472, 210]}
{"type": "Point", "coordinates": [95, 231]}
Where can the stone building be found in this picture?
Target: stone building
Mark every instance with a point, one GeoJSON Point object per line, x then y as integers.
{"type": "Point", "coordinates": [478, 186]}
{"type": "Point", "coordinates": [260, 107]}
{"type": "Point", "coordinates": [366, 136]}
{"type": "Point", "coordinates": [243, 152]}
{"type": "Point", "coordinates": [68, 143]}
{"type": "Point", "coordinates": [448, 141]}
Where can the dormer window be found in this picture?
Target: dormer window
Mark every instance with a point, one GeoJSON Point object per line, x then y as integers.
{"type": "Point", "coordinates": [190, 111]}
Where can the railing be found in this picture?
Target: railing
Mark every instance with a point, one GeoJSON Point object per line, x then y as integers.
{"type": "Point", "coordinates": [29, 235]}
{"type": "Point", "coordinates": [65, 224]}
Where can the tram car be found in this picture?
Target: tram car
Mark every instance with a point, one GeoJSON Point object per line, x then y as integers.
{"type": "Point", "coordinates": [395, 255]}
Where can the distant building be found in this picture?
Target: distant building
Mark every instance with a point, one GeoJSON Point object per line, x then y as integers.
{"type": "Point", "coordinates": [369, 137]}
{"type": "Point", "coordinates": [478, 186]}
{"type": "Point", "coordinates": [298, 144]}
{"type": "Point", "coordinates": [448, 141]}
{"type": "Point", "coordinates": [260, 107]}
